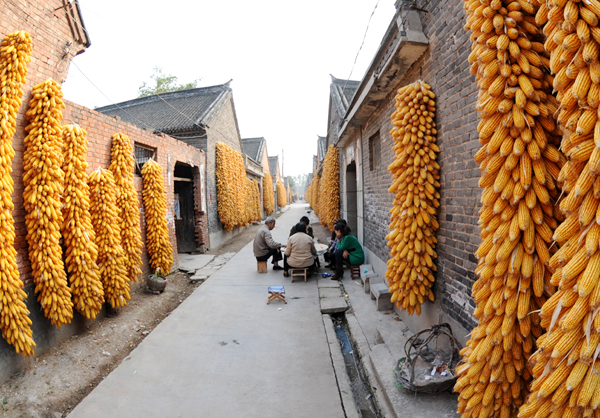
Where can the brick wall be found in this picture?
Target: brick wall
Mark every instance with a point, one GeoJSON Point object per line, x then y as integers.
{"type": "Point", "coordinates": [445, 67]}
{"type": "Point", "coordinates": [47, 24]}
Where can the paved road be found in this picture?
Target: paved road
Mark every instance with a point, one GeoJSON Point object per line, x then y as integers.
{"type": "Point", "coordinates": [225, 353]}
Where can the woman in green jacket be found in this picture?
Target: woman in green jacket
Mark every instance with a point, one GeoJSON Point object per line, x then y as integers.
{"type": "Point", "coordinates": [349, 250]}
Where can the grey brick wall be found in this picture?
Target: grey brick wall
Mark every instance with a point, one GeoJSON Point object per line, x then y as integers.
{"type": "Point", "coordinates": [444, 66]}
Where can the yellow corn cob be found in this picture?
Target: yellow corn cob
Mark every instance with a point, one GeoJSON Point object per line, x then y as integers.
{"type": "Point", "coordinates": [416, 174]}
{"type": "Point", "coordinates": [231, 189]}
{"type": "Point", "coordinates": [281, 194]}
{"type": "Point", "coordinates": [122, 167]}
{"type": "Point", "coordinates": [44, 183]}
{"type": "Point", "coordinates": [522, 160]}
{"type": "Point", "coordinates": [78, 234]}
{"type": "Point", "coordinates": [329, 186]}
{"type": "Point", "coordinates": [111, 257]}
{"type": "Point", "coordinates": [269, 196]}
{"type": "Point", "coordinates": [14, 315]}
{"type": "Point", "coordinates": [158, 242]}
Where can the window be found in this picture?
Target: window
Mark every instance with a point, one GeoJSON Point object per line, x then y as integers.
{"type": "Point", "coordinates": [142, 154]}
{"type": "Point", "coordinates": [374, 151]}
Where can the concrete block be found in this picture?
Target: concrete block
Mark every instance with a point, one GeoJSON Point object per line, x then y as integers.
{"type": "Point", "coordinates": [329, 292]}
{"type": "Point", "coordinates": [380, 292]}
{"type": "Point", "coordinates": [369, 272]}
{"type": "Point", "coordinates": [371, 280]}
{"type": "Point", "coordinates": [333, 305]}
{"type": "Point", "coordinates": [321, 283]}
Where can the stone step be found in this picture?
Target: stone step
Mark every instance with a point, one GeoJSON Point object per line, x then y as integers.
{"type": "Point", "coordinates": [366, 271]}
{"type": "Point", "coordinates": [370, 281]}
{"type": "Point", "coordinates": [392, 334]}
{"type": "Point", "coordinates": [380, 293]}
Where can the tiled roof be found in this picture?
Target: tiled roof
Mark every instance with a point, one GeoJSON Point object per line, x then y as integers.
{"type": "Point", "coordinates": [322, 147]}
{"type": "Point", "coordinates": [178, 111]}
{"type": "Point", "coordinates": [273, 165]}
{"type": "Point", "coordinates": [342, 92]}
{"type": "Point", "coordinates": [254, 148]}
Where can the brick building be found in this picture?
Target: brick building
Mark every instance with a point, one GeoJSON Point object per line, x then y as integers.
{"type": "Point", "coordinates": [201, 117]}
{"type": "Point", "coordinates": [425, 40]}
{"type": "Point", "coordinates": [58, 34]}
{"type": "Point", "coordinates": [256, 150]}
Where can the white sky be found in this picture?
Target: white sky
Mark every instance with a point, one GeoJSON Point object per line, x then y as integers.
{"type": "Point", "coordinates": [278, 53]}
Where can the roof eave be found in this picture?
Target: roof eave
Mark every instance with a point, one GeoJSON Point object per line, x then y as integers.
{"type": "Point", "coordinates": [375, 86]}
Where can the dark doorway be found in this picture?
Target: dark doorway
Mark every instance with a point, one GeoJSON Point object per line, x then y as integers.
{"type": "Point", "coordinates": [351, 203]}
{"type": "Point", "coordinates": [185, 219]}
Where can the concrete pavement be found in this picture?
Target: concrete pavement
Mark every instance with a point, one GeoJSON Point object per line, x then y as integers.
{"type": "Point", "coordinates": [224, 352]}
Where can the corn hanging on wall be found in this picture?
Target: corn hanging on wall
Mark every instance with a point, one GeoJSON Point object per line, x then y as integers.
{"type": "Point", "coordinates": [312, 194]}
{"type": "Point", "coordinates": [158, 243]}
{"type": "Point", "coordinates": [231, 187]}
{"type": "Point", "coordinates": [566, 365]}
{"type": "Point", "coordinates": [281, 194]}
{"type": "Point", "coordinates": [255, 203]}
{"type": "Point", "coordinates": [105, 219]}
{"type": "Point", "coordinates": [44, 185]}
{"type": "Point", "coordinates": [519, 162]}
{"type": "Point", "coordinates": [121, 166]}
{"type": "Point", "coordinates": [329, 189]}
{"type": "Point", "coordinates": [268, 194]}
{"type": "Point", "coordinates": [14, 316]}
{"type": "Point", "coordinates": [77, 231]}
{"type": "Point", "coordinates": [413, 217]}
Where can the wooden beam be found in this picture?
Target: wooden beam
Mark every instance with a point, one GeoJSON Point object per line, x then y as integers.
{"type": "Point", "coordinates": [182, 179]}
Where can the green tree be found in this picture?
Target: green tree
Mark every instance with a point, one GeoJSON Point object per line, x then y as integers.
{"type": "Point", "coordinates": [163, 83]}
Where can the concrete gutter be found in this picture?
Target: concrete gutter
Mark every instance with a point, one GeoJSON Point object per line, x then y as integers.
{"type": "Point", "coordinates": [402, 45]}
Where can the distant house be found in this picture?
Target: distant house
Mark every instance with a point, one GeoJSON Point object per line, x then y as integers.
{"type": "Point", "coordinates": [201, 117]}
{"type": "Point", "coordinates": [275, 174]}
{"type": "Point", "coordinates": [256, 153]}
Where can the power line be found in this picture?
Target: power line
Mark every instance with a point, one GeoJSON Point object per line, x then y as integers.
{"type": "Point", "coordinates": [361, 46]}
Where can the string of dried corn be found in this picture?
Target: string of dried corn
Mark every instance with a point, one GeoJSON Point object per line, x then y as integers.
{"type": "Point", "coordinates": [44, 185]}
{"type": "Point", "coordinates": [77, 231]}
{"type": "Point", "coordinates": [14, 316]}
{"type": "Point", "coordinates": [268, 194]}
{"type": "Point", "coordinates": [413, 216]}
{"type": "Point", "coordinates": [121, 166]}
{"type": "Point", "coordinates": [231, 187]}
{"type": "Point", "coordinates": [158, 243]}
{"type": "Point", "coordinates": [566, 368]}
{"type": "Point", "coordinates": [281, 194]}
{"type": "Point", "coordinates": [520, 163]}
{"type": "Point", "coordinates": [105, 219]}
{"type": "Point", "coordinates": [329, 185]}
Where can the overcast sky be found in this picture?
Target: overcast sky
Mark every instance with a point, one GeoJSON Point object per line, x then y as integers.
{"type": "Point", "coordinates": [278, 53]}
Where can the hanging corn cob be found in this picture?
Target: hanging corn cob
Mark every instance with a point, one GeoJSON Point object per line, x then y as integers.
{"type": "Point", "coordinates": [44, 182]}
{"type": "Point", "coordinates": [413, 217]}
{"type": "Point", "coordinates": [231, 187]}
{"type": "Point", "coordinates": [329, 203]}
{"type": "Point", "coordinates": [111, 258]}
{"type": "Point", "coordinates": [281, 194]}
{"type": "Point", "coordinates": [121, 166]}
{"type": "Point", "coordinates": [315, 194]}
{"type": "Point", "coordinates": [157, 231]}
{"type": "Point", "coordinates": [78, 233]}
{"type": "Point", "coordinates": [14, 316]}
{"type": "Point", "coordinates": [565, 367]}
{"type": "Point", "coordinates": [268, 194]}
{"type": "Point", "coordinates": [255, 202]}
{"type": "Point", "coordinates": [520, 164]}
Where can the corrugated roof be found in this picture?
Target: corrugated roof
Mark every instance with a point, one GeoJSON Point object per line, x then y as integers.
{"type": "Point", "coordinates": [273, 165]}
{"type": "Point", "coordinates": [254, 148]}
{"type": "Point", "coordinates": [178, 111]}
{"type": "Point", "coordinates": [342, 92]}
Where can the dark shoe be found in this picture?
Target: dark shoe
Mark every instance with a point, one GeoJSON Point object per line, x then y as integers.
{"type": "Point", "coordinates": [337, 276]}
{"type": "Point", "coordinates": [286, 274]}
{"type": "Point", "coordinates": [277, 268]}
{"type": "Point", "coordinates": [328, 266]}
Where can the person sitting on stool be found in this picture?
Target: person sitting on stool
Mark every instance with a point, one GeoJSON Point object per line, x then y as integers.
{"type": "Point", "coordinates": [265, 246]}
{"type": "Point", "coordinates": [306, 222]}
{"type": "Point", "coordinates": [300, 251]}
{"type": "Point", "coordinates": [329, 255]}
{"type": "Point", "coordinates": [348, 251]}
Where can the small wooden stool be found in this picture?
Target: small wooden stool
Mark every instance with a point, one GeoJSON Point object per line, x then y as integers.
{"type": "Point", "coordinates": [355, 272]}
{"type": "Point", "coordinates": [261, 266]}
{"type": "Point", "coordinates": [276, 292]}
{"type": "Point", "coordinates": [298, 273]}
